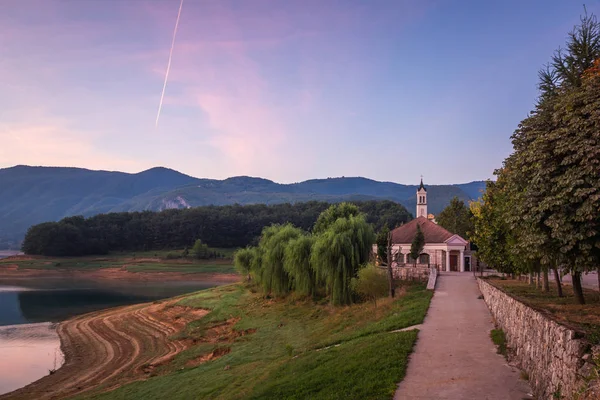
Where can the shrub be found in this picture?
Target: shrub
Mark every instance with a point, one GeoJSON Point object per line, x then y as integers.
{"type": "Point", "coordinates": [201, 250]}
{"type": "Point", "coordinates": [499, 340]}
{"type": "Point", "coordinates": [371, 283]}
{"type": "Point", "coordinates": [172, 256]}
{"type": "Point", "coordinates": [242, 260]}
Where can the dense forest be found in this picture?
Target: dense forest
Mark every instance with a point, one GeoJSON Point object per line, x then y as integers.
{"type": "Point", "coordinates": [218, 226]}
{"type": "Point", "coordinates": [32, 195]}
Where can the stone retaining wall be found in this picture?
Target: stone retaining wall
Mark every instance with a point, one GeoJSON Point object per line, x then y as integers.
{"type": "Point", "coordinates": [412, 273]}
{"type": "Point", "coordinates": [559, 362]}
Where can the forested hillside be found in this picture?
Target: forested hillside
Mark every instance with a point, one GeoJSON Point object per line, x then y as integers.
{"type": "Point", "coordinates": [30, 195]}
{"type": "Point", "coordinates": [218, 226]}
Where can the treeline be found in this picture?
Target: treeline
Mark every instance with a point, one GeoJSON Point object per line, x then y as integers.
{"type": "Point", "coordinates": [324, 262]}
{"type": "Point", "coordinates": [218, 226]}
{"type": "Point", "coordinates": [543, 211]}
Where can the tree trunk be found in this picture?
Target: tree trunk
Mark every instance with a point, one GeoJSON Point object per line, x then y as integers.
{"type": "Point", "coordinates": [546, 287]}
{"type": "Point", "coordinates": [577, 289]}
{"type": "Point", "coordinates": [389, 267]}
{"type": "Point", "coordinates": [598, 279]}
{"type": "Point", "coordinates": [558, 284]}
{"type": "Point", "coordinates": [538, 281]}
{"type": "Point", "coordinates": [531, 281]}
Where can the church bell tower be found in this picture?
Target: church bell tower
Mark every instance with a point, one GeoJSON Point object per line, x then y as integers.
{"type": "Point", "coordinates": [421, 201]}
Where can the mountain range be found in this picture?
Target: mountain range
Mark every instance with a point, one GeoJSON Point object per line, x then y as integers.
{"type": "Point", "coordinates": [30, 195]}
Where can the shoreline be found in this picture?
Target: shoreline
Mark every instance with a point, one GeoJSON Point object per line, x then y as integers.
{"type": "Point", "coordinates": [29, 352]}
{"type": "Point", "coordinates": [121, 274]}
{"type": "Point", "coordinates": [113, 347]}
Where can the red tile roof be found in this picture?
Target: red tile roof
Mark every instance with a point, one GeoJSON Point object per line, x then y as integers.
{"type": "Point", "coordinates": [433, 232]}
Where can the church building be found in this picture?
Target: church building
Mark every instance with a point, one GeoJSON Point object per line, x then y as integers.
{"type": "Point", "coordinates": [443, 249]}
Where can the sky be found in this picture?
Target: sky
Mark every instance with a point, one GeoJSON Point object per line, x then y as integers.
{"type": "Point", "coordinates": [284, 90]}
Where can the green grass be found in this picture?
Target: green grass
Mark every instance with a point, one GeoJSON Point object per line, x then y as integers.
{"type": "Point", "coordinates": [499, 340]}
{"type": "Point", "coordinates": [286, 355]}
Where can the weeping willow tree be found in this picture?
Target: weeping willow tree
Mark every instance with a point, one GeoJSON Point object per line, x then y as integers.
{"type": "Point", "coordinates": [274, 278]}
{"type": "Point", "coordinates": [297, 264]}
{"type": "Point", "coordinates": [256, 264]}
{"type": "Point", "coordinates": [338, 253]}
{"type": "Point", "coordinates": [332, 214]}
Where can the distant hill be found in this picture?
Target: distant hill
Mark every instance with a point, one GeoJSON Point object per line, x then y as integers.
{"type": "Point", "coordinates": [29, 195]}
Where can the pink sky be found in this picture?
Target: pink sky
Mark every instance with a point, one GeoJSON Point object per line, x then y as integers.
{"type": "Point", "coordinates": [282, 90]}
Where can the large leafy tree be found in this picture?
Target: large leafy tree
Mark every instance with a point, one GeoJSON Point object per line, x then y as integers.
{"type": "Point", "coordinates": [491, 232]}
{"type": "Point", "coordinates": [544, 207]}
{"type": "Point", "coordinates": [574, 199]}
{"type": "Point", "coordinates": [457, 218]}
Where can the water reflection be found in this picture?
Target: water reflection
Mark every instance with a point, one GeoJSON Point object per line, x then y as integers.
{"type": "Point", "coordinates": [29, 344]}
{"type": "Point", "coordinates": [27, 353]}
{"type": "Point", "coordinates": [56, 300]}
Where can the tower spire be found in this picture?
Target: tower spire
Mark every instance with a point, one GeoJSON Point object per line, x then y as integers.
{"type": "Point", "coordinates": [421, 200]}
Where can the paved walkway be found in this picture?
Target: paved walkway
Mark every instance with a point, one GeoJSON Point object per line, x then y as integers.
{"type": "Point", "coordinates": [454, 357]}
{"type": "Point", "coordinates": [588, 281]}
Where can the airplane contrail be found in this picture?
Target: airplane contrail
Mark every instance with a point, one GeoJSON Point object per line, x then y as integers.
{"type": "Point", "coordinates": [162, 96]}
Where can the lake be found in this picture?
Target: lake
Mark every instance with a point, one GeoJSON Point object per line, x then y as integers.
{"type": "Point", "coordinates": [30, 309]}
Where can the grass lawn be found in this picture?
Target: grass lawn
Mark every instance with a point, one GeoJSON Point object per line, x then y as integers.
{"type": "Point", "coordinates": [289, 349]}
{"type": "Point", "coordinates": [153, 261]}
{"type": "Point", "coordinates": [585, 318]}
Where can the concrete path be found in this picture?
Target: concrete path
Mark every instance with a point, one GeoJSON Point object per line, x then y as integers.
{"type": "Point", "coordinates": [454, 357]}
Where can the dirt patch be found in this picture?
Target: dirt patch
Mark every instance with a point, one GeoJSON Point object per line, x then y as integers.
{"type": "Point", "coordinates": [22, 258]}
{"type": "Point", "coordinates": [213, 355]}
{"type": "Point", "coordinates": [223, 332]}
{"type": "Point", "coordinates": [9, 267]}
{"type": "Point", "coordinates": [113, 347]}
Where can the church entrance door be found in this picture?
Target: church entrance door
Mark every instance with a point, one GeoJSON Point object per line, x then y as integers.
{"type": "Point", "coordinates": [453, 262]}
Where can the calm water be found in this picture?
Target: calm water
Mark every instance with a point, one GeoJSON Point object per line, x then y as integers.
{"type": "Point", "coordinates": [30, 309]}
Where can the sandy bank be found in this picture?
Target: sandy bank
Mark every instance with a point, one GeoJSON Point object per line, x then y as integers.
{"type": "Point", "coordinates": [10, 271]}
{"type": "Point", "coordinates": [113, 347]}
